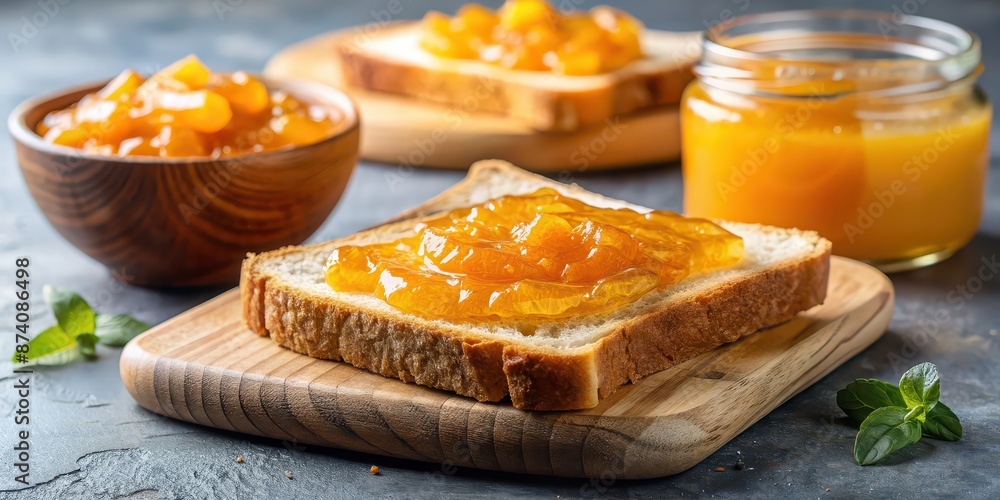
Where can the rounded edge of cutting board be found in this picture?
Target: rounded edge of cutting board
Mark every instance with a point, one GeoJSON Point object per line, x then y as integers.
{"type": "Point", "coordinates": [657, 449]}
{"type": "Point", "coordinates": [413, 133]}
{"type": "Point", "coordinates": [205, 367]}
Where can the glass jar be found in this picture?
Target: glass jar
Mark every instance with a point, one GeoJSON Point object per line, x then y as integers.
{"type": "Point", "coordinates": [865, 127]}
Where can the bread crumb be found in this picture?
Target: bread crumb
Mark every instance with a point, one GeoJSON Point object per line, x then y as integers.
{"type": "Point", "coordinates": [288, 474]}
{"type": "Point", "coordinates": [719, 469]}
{"type": "Point", "coordinates": [374, 470]}
{"type": "Point", "coordinates": [828, 489]}
{"type": "Point", "coordinates": [239, 460]}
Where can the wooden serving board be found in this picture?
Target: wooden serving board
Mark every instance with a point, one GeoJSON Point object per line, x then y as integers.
{"type": "Point", "coordinates": [402, 130]}
{"type": "Point", "coordinates": [205, 367]}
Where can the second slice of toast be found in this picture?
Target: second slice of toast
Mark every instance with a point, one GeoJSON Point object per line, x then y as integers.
{"type": "Point", "coordinates": [393, 61]}
{"type": "Point", "coordinates": [567, 364]}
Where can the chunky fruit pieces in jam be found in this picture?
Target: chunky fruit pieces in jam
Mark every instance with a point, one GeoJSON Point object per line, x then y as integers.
{"type": "Point", "coordinates": [536, 256]}
{"type": "Point", "coordinates": [185, 110]}
{"type": "Point", "coordinates": [532, 35]}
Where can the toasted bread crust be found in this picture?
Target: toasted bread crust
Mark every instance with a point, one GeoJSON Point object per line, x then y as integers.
{"type": "Point", "coordinates": [448, 357]}
{"type": "Point", "coordinates": [542, 107]}
{"type": "Point", "coordinates": [680, 332]}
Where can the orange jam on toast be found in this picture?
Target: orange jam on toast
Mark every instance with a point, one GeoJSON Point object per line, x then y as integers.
{"type": "Point", "coordinates": [533, 35]}
{"type": "Point", "coordinates": [536, 256]}
{"type": "Point", "coordinates": [185, 110]}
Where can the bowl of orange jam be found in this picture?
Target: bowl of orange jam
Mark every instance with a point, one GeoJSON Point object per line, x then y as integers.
{"type": "Point", "coordinates": [170, 179]}
{"type": "Point", "coordinates": [865, 127]}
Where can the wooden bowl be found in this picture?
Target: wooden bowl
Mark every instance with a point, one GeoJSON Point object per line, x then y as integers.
{"type": "Point", "coordinates": [185, 221]}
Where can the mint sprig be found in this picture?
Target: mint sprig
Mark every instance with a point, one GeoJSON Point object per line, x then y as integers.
{"type": "Point", "coordinates": [893, 417]}
{"type": "Point", "coordinates": [78, 331]}
{"type": "Point", "coordinates": [52, 347]}
{"type": "Point", "coordinates": [886, 430]}
{"type": "Point", "coordinates": [118, 329]}
{"type": "Point", "coordinates": [73, 314]}
{"type": "Point", "coordinates": [920, 386]}
{"type": "Point", "coordinates": [942, 423]}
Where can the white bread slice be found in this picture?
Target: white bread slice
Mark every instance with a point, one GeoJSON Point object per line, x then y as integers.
{"type": "Point", "coordinates": [393, 61]}
{"type": "Point", "coordinates": [565, 365]}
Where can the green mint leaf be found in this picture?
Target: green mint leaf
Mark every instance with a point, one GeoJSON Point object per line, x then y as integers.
{"type": "Point", "coordinates": [73, 314]}
{"type": "Point", "coordinates": [942, 423]}
{"type": "Point", "coordinates": [917, 413]}
{"type": "Point", "coordinates": [51, 347]}
{"type": "Point", "coordinates": [921, 385]}
{"type": "Point", "coordinates": [883, 432]}
{"type": "Point", "coordinates": [865, 395]}
{"type": "Point", "coordinates": [88, 343]}
{"type": "Point", "coordinates": [118, 329]}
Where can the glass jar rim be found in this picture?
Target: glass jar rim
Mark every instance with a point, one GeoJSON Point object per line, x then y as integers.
{"type": "Point", "coordinates": [899, 54]}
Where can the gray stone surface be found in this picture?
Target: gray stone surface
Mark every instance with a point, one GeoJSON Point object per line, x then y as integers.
{"type": "Point", "coordinates": [91, 440]}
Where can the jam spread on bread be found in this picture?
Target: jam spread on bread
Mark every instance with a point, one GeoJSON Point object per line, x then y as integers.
{"type": "Point", "coordinates": [533, 35]}
{"type": "Point", "coordinates": [536, 256]}
{"type": "Point", "coordinates": [185, 110]}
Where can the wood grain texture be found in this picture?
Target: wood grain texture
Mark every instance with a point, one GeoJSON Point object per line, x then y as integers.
{"type": "Point", "coordinates": [185, 221]}
{"type": "Point", "coordinates": [403, 130]}
{"type": "Point", "coordinates": [205, 367]}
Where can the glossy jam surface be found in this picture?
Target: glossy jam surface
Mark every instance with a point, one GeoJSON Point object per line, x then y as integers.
{"type": "Point", "coordinates": [532, 257]}
{"type": "Point", "coordinates": [534, 35]}
{"type": "Point", "coordinates": [884, 182]}
{"type": "Point", "coordinates": [186, 110]}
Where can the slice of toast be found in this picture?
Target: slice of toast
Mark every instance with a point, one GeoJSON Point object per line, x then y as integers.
{"type": "Point", "coordinates": [393, 61]}
{"type": "Point", "coordinates": [568, 364]}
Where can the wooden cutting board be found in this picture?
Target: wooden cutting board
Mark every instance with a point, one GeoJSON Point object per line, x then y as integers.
{"type": "Point", "coordinates": [413, 133]}
{"type": "Point", "coordinates": [205, 367]}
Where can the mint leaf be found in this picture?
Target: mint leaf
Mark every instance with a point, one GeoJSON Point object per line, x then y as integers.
{"type": "Point", "coordinates": [865, 395]}
{"type": "Point", "coordinates": [118, 329]}
{"type": "Point", "coordinates": [87, 343]}
{"type": "Point", "coordinates": [942, 423]}
{"type": "Point", "coordinates": [78, 331]}
{"type": "Point", "coordinates": [885, 431]}
{"type": "Point", "coordinates": [920, 385]}
{"type": "Point", "coordinates": [918, 413]}
{"type": "Point", "coordinates": [895, 417]}
{"type": "Point", "coordinates": [73, 314]}
{"type": "Point", "coordinates": [52, 347]}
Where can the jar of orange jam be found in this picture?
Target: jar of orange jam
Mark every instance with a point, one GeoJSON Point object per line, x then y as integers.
{"type": "Point", "coordinates": [864, 126]}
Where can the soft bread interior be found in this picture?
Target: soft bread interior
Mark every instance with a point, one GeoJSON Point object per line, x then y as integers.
{"type": "Point", "coordinates": [663, 51]}
{"type": "Point", "coordinates": [764, 248]}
